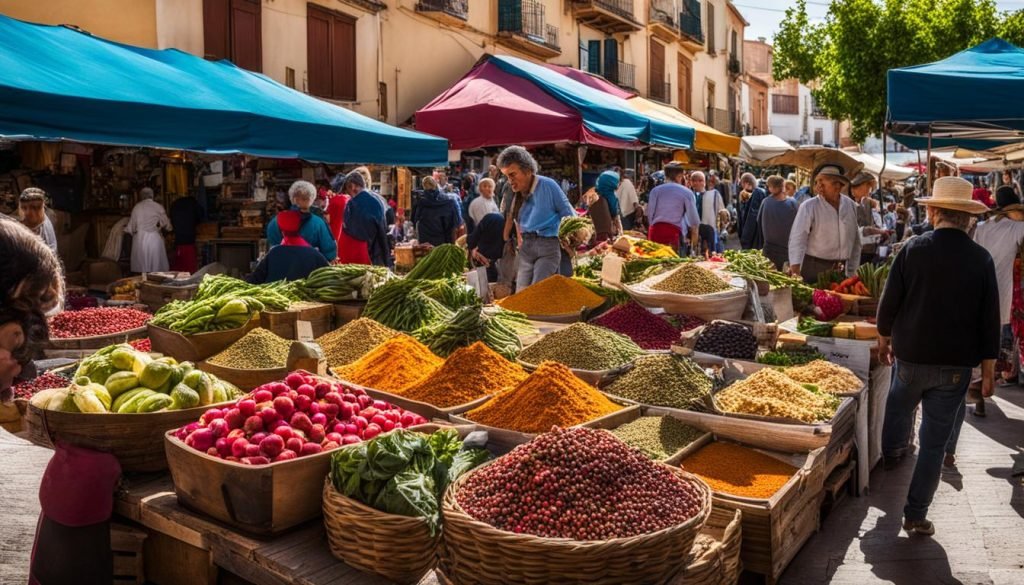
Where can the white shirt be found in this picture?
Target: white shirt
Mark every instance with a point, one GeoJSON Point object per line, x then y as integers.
{"type": "Point", "coordinates": [821, 231]}
{"type": "Point", "coordinates": [628, 199]}
{"type": "Point", "coordinates": [46, 233]}
{"type": "Point", "coordinates": [711, 203]}
{"type": "Point", "coordinates": [1002, 239]}
{"type": "Point", "coordinates": [480, 207]}
{"type": "Point", "coordinates": [147, 216]}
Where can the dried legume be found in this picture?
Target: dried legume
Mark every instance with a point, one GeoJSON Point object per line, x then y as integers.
{"type": "Point", "coordinates": [258, 349]}
{"type": "Point", "coordinates": [691, 279]}
{"type": "Point", "coordinates": [96, 321]}
{"type": "Point", "coordinates": [658, 437]}
{"type": "Point", "coordinates": [739, 471]}
{"type": "Point", "coordinates": [28, 388]}
{"type": "Point", "coordinates": [354, 340]}
{"type": "Point", "coordinates": [555, 295]}
{"type": "Point", "coordinates": [646, 329]}
{"type": "Point", "coordinates": [583, 347]}
{"type": "Point", "coordinates": [664, 380]}
{"type": "Point", "coordinates": [731, 340]}
{"type": "Point", "coordinates": [769, 392]}
{"type": "Point", "coordinates": [826, 376]}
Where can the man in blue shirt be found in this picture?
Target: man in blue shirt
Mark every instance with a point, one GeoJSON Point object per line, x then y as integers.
{"type": "Point", "coordinates": [537, 209]}
{"type": "Point", "coordinates": [672, 210]}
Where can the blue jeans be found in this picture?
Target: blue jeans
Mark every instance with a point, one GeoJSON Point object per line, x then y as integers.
{"type": "Point", "coordinates": [539, 258]}
{"type": "Point", "coordinates": [941, 391]}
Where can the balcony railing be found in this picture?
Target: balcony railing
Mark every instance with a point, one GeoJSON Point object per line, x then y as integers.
{"type": "Point", "coordinates": [458, 9]}
{"type": "Point", "coordinates": [785, 104]}
{"type": "Point", "coordinates": [690, 22]}
{"type": "Point", "coordinates": [661, 91]}
{"type": "Point", "coordinates": [525, 18]}
{"type": "Point", "coordinates": [608, 16]}
{"type": "Point", "coordinates": [622, 74]}
{"type": "Point", "coordinates": [623, 8]}
{"type": "Point", "coordinates": [722, 120]}
{"type": "Point", "coordinates": [735, 67]}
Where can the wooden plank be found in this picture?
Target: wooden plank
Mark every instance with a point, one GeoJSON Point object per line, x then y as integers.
{"type": "Point", "coordinates": [170, 561]}
{"type": "Point", "coordinates": [244, 568]}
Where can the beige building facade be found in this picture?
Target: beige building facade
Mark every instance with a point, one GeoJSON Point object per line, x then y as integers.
{"type": "Point", "coordinates": [388, 58]}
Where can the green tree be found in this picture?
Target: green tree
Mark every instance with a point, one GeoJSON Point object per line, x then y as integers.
{"type": "Point", "coordinates": [845, 58]}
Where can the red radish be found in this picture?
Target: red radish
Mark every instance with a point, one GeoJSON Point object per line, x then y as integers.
{"type": "Point", "coordinates": [360, 421]}
{"type": "Point", "coordinates": [238, 448]}
{"type": "Point", "coordinates": [223, 447]}
{"type": "Point", "coordinates": [351, 429]}
{"type": "Point", "coordinates": [378, 419]}
{"type": "Point", "coordinates": [213, 452]}
{"type": "Point", "coordinates": [256, 438]}
{"type": "Point", "coordinates": [284, 431]}
{"type": "Point", "coordinates": [350, 439]}
{"type": "Point", "coordinates": [211, 414]}
{"type": "Point", "coordinates": [271, 446]}
{"type": "Point", "coordinates": [388, 425]}
{"type": "Point", "coordinates": [261, 396]}
{"type": "Point", "coordinates": [349, 397]}
{"type": "Point", "coordinates": [319, 419]}
{"type": "Point", "coordinates": [321, 390]}
{"type": "Point", "coordinates": [295, 379]}
{"type": "Point", "coordinates": [235, 418]}
{"type": "Point", "coordinates": [317, 434]}
{"type": "Point", "coordinates": [247, 407]}
{"type": "Point", "coordinates": [306, 390]}
{"type": "Point", "coordinates": [219, 427]}
{"type": "Point", "coordinates": [202, 439]}
{"type": "Point", "coordinates": [253, 424]}
{"type": "Point", "coordinates": [364, 400]}
{"type": "Point", "coordinates": [371, 431]}
{"type": "Point", "coordinates": [302, 422]}
{"type": "Point", "coordinates": [328, 445]}
{"type": "Point", "coordinates": [408, 419]}
{"type": "Point", "coordinates": [394, 415]}
{"type": "Point", "coordinates": [314, 407]}
{"type": "Point", "coordinates": [330, 409]}
{"type": "Point", "coordinates": [236, 434]}
{"type": "Point", "coordinates": [285, 455]}
{"type": "Point", "coordinates": [294, 443]}
{"type": "Point", "coordinates": [310, 449]}
{"type": "Point", "coordinates": [302, 403]}
{"type": "Point", "coordinates": [284, 407]}
{"type": "Point", "coordinates": [269, 415]}
{"type": "Point", "coordinates": [333, 437]}
{"type": "Point", "coordinates": [346, 412]}
{"type": "Point", "coordinates": [252, 450]}
{"type": "Point", "coordinates": [257, 460]}
{"type": "Point", "coordinates": [333, 398]}
{"type": "Point", "coordinates": [339, 428]}
{"type": "Point", "coordinates": [369, 412]}
{"type": "Point", "coordinates": [381, 405]}
{"type": "Point", "coordinates": [276, 425]}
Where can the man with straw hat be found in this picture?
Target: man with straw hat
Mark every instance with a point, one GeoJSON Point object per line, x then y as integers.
{"type": "Point", "coordinates": [939, 318]}
{"type": "Point", "coordinates": [825, 235]}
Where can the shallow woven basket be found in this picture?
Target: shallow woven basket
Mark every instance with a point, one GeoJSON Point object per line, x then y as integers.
{"type": "Point", "coordinates": [720, 563]}
{"type": "Point", "coordinates": [398, 548]}
{"type": "Point", "coordinates": [473, 552]}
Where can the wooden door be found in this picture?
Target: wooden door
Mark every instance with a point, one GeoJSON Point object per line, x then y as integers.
{"type": "Point", "coordinates": [343, 58]}
{"type": "Point", "coordinates": [656, 72]}
{"type": "Point", "coordinates": [246, 34]}
{"type": "Point", "coordinates": [318, 52]}
{"type": "Point", "coordinates": [215, 29]}
{"type": "Point", "coordinates": [685, 77]}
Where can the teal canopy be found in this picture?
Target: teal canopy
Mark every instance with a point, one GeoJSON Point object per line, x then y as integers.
{"type": "Point", "coordinates": [602, 112]}
{"type": "Point", "coordinates": [973, 99]}
{"type": "Point", "coordinates": [57, 83]}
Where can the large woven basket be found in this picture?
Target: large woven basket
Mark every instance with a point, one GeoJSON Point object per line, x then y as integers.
{"type": "Point", "coordinates": [719, 563]}
{"type": "Point", "coordinates": [398, 548]}
{"type": "Point", "coordinates": [476, 553]}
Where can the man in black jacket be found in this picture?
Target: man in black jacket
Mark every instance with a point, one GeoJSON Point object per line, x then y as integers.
{"type": "Point", "coordinates": [749, 229]}
{"type": "Point", "coordinates": [939, 317]}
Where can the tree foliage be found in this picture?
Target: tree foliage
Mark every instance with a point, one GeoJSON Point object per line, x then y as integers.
{"type": "Point", "coordinates": [846, 57]}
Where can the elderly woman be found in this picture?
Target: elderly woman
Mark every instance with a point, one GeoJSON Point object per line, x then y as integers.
{"type": "Point", "coordinates": [148, 220]}
{"type": "Point", "coordinates": [32, 206]}
{"type": "Point", "coordinates": [485, 203]}
{"type": "Point", "coordinates": [604, 209]}
{"type": "Point", "coordinates": [313, 229]}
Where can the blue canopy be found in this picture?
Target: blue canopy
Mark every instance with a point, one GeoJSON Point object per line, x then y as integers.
{"type": "Point", "coordinates": [973, 99]}
{"type": "Point", "coordinates": [58, 83]}
{"type": "Point", "coordinates": [602, 113]}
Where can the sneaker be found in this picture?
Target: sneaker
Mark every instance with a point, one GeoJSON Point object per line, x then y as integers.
{"type": "Point", "coordinates": [922, 527]}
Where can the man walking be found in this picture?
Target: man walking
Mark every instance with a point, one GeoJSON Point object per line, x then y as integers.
{"type": "Point", "coordinates": [709, 204]}
{"type": "Point", "coordinates": [777, 215]}
{"type": "Point", "coordinates": [537, 208]}
{"type": "Point", "coordinates": [750, 234]}
{"type": "Point", "coordinates": [672, 210]}
{"type": "Point", "coordinates": [629, 201]}
{"type": "Point", "coordinates": [861, 187]}
{"type": "Point", "coordinates": [824, 234]}
{"type": "Point", "coordinates": [939, 317]}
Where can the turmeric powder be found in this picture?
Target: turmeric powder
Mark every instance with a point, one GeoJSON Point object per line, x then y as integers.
{"type": "Point", "coordinates": [469, 373]}
{"type": "Point", "coordinates": [555, 295]}
{"type": "Point", "coordinates": [550, 396]}
{"type": "Point", "coordinates": [738, 470]}
{"type": "Point", "coordinates": [392, 365]}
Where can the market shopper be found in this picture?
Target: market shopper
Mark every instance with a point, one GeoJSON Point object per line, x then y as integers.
{"type": "Point", "coordinates": [861, 187]}
{"type": "Point", "coordinates": [292, 259]}
{"type": "Point", "coordinates": [939, 318]}
{"type": "Point", "coordinates": [536, 210]}
{"type": "Point", "coordinates": [185, 217]}
{"type": "Point", "coordinates": [672, 211]}
{"type": "Point", "coordinates": [604, 210]}
{"type": "Point", "coordinates": [790, 189]}
{"type": "Point", "coordinates": [776, 218]}
{"type": "Point", "coordinates": [32, 208]}
{"type": "Point", "coordinates": [486, 243]}
{"type": "Point", "coordinates": [435, 215]}
{"type": "Point", "coordinates": [709, 205]}
{"type": "Point", "coordinates": [148, 221]}
{"type": "Point", "coordinates": [365, 220]}
{"type": "Point", "coordinates": [750, 232]}
{"type": "Point", "coordinates": [629, 201]}
{"type": "Point", "coordinates": [825, 234]}
{"type": "Point", "coordinates": [485, 203]}
{"type": "Point", "coordinates": [314, 229]}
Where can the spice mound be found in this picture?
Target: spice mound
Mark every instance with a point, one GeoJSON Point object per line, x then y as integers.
{"type": "Point", "coordinates": [769, 392]}
{"type": "Point", "coordinates": [392, 365]}
{"type": "Point", "coordinates": [353, 341]}
{"type": "Point", "coordinates": [584, 347]}
{"type": "Point", "coordinates": [646, 329]}
{"type": "Point", "coordinates": [740, 471]}
{"type": "Point", "coordinates": [826, 376]}
{"type": "Point", "coordinates": [658, 437]}
{"type": "Point", "coordinates": [691, 279]}
{"type": "Point", "coordinates": [550, 396]}
{"type": "Point", "coordinates": [259, 349]}
{"type": "Point", "coordinates": [555, 295]}
{"type": "Point", "coordinates": [664, 380]}
{"type": "Point", "coordinates": [582, 484]}
{"type": "Point", "coordinates": [731, 340]}
{"type": "Point", "coordinates": [467, 374]}
{"type": "Point", "coordinates": [96, 321]}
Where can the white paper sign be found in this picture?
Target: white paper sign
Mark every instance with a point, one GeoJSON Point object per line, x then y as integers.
{"type": "Point", "coordinates": [304, 330]}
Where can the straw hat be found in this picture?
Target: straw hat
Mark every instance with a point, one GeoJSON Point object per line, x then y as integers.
{"type": "Point", "coordinates": [831, 170]}
{"type": "Point", "coordinates": [953, 193]}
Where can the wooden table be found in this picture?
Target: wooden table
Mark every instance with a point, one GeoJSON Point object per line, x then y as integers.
{"type": "Point", "coordinates": [188, 548]}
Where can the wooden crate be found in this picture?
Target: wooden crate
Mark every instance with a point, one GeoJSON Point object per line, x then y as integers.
{"type": "Point", "coordinates": [280, 323]}
{"type": "Point", "coordinates": [156, 296]}
{"type": "Point", "coordinates": [93, 342]}
{"type": "Point", "coordinates": [319, 315]}
{"type": "Point", "coordinates": [244, 379]}
{"type": "Point", "coordinates": [347, 311]}
{"type": "Point", "coordinates": [195, 348]}
{"type": "Point", "coordinates": [775, 529]}
{"type": "Point", "coordinates": [127, 544]}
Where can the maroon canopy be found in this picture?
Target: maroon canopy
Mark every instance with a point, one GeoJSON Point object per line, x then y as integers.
{"type": "Point", "coordinates": [489, 107]}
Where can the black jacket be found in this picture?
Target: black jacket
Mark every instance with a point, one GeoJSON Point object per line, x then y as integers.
{"type": "Point", "coordinates": [436, 218]}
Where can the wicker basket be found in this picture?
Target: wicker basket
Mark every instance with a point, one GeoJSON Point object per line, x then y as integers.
{"type": "Point", "coordinates": [473, 552]}
{"type": "Point", "coordinates": [718, 564]}
{"type": "Point", "coordinates": [398, 548]}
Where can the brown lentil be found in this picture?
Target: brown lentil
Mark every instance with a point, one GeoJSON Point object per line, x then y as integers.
{"type": "Point", "coordinates": [354, 340]}
{"type": "Point", "coordinates": [658, 437]}
{"type": "Point", "coordinates": [259, 349]}
{"type": "Point", "coordinates": [691, 279]}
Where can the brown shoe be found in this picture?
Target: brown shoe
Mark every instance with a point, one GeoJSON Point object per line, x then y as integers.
{"type": "Point", "coordinates": [922, 527]}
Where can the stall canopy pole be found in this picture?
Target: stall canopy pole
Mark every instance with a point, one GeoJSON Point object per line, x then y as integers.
{"type": "Point", "coordinates": [928, 176]}
{"type": "Point", "coordinates": [885, 158]}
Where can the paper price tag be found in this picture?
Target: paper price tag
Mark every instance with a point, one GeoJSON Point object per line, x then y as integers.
{"type": "Point", "coordinates": [304, 330]}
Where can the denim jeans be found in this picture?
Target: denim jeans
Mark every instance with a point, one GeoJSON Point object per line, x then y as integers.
{"type": "Point", "coordinates": [941, 391]}
{"type": "Point", "coordinates": [539, 258]}
{"type": "Point", "coordinates": [954, 437]}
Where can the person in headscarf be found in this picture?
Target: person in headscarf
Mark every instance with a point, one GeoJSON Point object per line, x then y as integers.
{"type": "Point", "coordinates": [32, 206]}
{"type": "Point", "coordinates": [365, 219]}
{"type": "Point", "coordinates": [148, 220]}
{"type": "Point", "coordinates": [313, 229]}
{"type": "Point", "coordinates": [292, 259]}
{"type": "Point", "coordinates": [604, 210]}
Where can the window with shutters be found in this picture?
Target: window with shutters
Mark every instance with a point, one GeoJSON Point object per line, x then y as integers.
{"type": "Point", "coordinates": [712, 47]}
{"type": "Point", "coordinates": [659, 89]}
{"type": "Point", "coordinates": [232, 29]}
{"type": "Point", "coordinates": [331, 49]}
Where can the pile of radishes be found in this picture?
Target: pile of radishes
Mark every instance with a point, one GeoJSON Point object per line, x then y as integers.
{"type": "Point", "coordinates": [303, 415]}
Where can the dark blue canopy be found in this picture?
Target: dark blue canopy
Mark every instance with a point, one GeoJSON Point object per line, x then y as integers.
{"type": "Point", "coordinates": [58, 83]}
{"type": "Point", "coordinates": [973, 99]}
